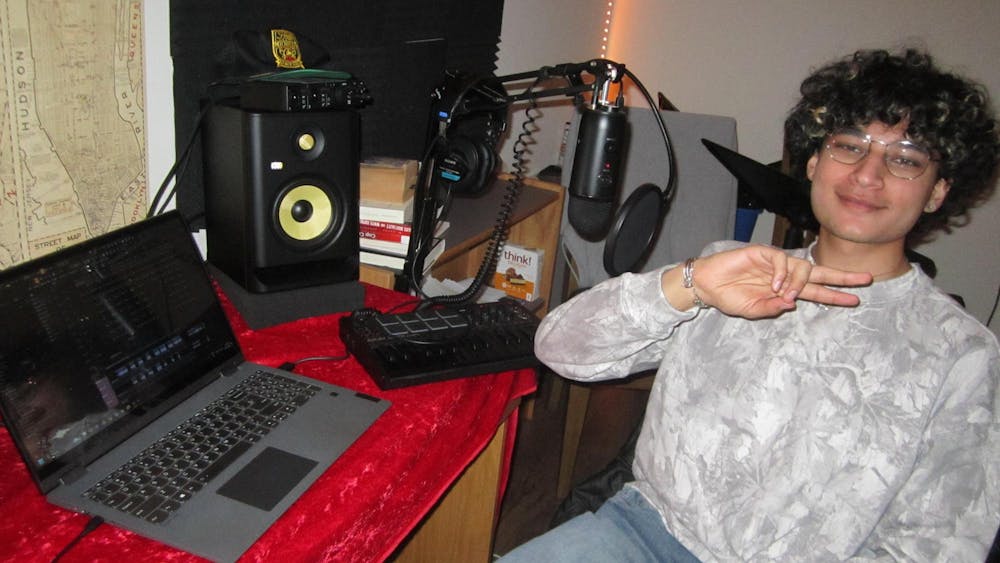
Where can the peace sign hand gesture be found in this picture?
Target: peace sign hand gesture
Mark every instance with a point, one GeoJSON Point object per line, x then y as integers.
{"type": "Point", "coordinates": [759, 281]}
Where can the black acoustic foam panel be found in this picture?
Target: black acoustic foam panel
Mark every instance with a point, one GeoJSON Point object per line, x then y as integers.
{"type": "Point", "coordinates": [399, 48]}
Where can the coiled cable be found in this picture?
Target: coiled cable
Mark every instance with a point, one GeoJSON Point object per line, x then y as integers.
{"type": "Point", "coordinates": [501, 228]}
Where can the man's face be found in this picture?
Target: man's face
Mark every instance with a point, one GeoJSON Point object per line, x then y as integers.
{"type": "Point", "coordinates": [863, 202]}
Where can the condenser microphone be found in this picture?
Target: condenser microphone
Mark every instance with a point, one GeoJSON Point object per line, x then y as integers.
{"type": "Point", "coordinates": [593, 184]}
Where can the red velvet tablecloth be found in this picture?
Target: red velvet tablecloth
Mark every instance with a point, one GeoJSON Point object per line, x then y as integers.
{"type": "Point", "coordinates": [361, 509]}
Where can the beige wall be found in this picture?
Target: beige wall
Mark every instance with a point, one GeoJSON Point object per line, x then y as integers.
{"type": "Point", "coordinates": [546, 33]}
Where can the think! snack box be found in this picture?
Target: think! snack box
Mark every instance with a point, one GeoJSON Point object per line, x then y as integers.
{"type": "Point", "coordinates": [518, 271]}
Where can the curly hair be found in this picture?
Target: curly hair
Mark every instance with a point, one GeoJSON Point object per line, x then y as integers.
{"type": "Point", "coordinates": [951, 115]}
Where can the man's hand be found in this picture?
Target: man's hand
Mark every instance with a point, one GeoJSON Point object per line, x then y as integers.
{"type": "Point", "coordinates": [759, 281]}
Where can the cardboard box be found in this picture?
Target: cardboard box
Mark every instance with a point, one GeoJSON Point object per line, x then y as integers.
{"type": "Point", "coordinates": [389, 180]}
{"type": "Point", "coordinates": [518, 271]}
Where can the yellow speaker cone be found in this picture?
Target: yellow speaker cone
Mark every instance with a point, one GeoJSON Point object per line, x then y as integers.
{"type": "Point", "coordinates": [305, 212]}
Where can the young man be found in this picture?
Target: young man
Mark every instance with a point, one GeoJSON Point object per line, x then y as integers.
{"type": "Point", "coordinates": [820, 404]}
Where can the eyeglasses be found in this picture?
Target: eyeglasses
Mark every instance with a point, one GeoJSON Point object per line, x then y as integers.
{"type": "Point", "coordinates": [904, 159]}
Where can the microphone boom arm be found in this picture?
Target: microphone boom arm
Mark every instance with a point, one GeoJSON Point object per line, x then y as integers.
{"type": "Point", "coordinates": [605, 73]}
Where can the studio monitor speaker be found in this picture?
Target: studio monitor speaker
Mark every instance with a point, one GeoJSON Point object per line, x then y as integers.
{"type": "Point", "coordinates": [281, 196]}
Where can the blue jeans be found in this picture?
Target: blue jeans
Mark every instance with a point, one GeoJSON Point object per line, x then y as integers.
{"type": "Point", "coordinates": [626, 529]}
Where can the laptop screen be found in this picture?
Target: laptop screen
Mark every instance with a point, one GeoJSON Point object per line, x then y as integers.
{"type": "Point", "coordinates": [101, 338]}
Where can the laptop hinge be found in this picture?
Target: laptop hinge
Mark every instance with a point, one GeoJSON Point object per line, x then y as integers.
{"type": "Point", "coordinates": [231, 366]}
{"type": "Point", "coordinates": [72, 475]}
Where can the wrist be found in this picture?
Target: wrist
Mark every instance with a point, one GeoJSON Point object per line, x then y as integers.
{"type": "Point", "coordinates": [672, 286]}
{"type": "Point", "coordinates": [687, 281]}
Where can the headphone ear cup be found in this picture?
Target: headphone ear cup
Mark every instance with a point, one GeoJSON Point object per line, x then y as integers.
{"type": "Point", "coordinates": [465, 166]}
{"type": "Point", "coordinates": [484, 170]}
{"type": "Point", "coordinates": [468, 159]}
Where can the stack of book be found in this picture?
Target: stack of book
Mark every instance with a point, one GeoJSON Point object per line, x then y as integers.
{"type": "Point", "coordinates": [386, 213]}
{"type": "Point", "coordinates": [386, 244]}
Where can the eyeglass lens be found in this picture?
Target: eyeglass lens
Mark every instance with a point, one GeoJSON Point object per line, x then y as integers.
{"type": "Point", "coordinates": [904, 159]}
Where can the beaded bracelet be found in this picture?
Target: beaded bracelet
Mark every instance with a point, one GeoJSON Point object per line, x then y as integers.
{"type": "Point", "coordinates": [688, 282]}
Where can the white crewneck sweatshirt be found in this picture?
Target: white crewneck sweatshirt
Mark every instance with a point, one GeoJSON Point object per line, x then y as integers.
{"type": "Point", "coordinates": [824, 434]}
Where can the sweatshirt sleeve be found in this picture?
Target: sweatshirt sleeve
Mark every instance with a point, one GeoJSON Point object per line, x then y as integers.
{"type": "Point", "coordinates": [949, 508]}
{"type": "Point", "coordinates": [615, 328]}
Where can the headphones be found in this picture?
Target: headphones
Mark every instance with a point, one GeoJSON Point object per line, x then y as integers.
{"type": "Point", "coordinates": [471, 116]}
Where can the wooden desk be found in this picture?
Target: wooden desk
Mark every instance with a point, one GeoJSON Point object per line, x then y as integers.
{"type": "Point", "coordinates": [534, 223]}
{"type": "Point", "coordinates": [461, 527]}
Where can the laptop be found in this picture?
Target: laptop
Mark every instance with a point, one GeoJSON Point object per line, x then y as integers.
{"type": "Point", "coordinates": [117, 355]}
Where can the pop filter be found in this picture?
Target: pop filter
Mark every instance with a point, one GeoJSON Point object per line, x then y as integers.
{"type": "Point", "coordinates": [636, 224]}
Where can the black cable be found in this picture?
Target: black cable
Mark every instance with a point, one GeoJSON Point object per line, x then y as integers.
{"type": "Point", "coordinates": [428, 211]}
{"type": "Point", "coordinates": [426, 240]}
{"type": "Point", "coordinates": [290, 366]}
{"type": "Point", "coordinates": [425, 210]}
{"type": "Point", "coordinates": [181, 161]}
{"type": "Point", "coordinates": [182, 168]}
{"type": "Point", "coordinates": [94, 523]}
{"type": "Point", "coordinates": [176, 171]}
{"type": "Point", "coordinates": [993, 311]}
{"type": "Point", "coordinates": [668, 190]}
{"type": "Point", "coordinates": [399, 306]}
{"type": "Point", "coordinates": [502, 226]}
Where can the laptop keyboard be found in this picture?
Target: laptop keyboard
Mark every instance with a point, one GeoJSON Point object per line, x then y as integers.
{"type": "Point", "coordinates": [165, 475]}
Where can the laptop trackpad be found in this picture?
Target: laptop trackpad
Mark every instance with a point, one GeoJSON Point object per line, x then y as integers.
{"type": "Point", "coordinates": [267, 479]}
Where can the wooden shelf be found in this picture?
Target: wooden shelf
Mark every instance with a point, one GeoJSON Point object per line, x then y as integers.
{"type": "Point", "coordinates": [534, 223]}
